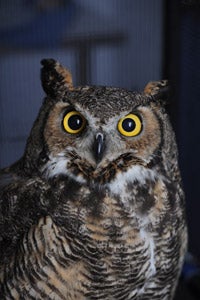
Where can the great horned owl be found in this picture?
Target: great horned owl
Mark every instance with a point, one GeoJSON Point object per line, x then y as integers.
{"type": "Point", "coordinates": [94, 209]}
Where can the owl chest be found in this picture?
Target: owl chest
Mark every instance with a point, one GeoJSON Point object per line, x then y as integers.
{"type": "Point", "coordinates": [91, 240]}
{"type": "Point", "coordinates": [103, 218]}
{"type": "Point", "coordinates": [114, 241]}
{"type": "Point", "coordinates": [91, 250]}
{"type": "Point", "coordinates": [106, 234]}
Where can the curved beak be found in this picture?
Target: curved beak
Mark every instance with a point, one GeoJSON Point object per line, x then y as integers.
{"type": "Point", "coordinates": [99, 146]}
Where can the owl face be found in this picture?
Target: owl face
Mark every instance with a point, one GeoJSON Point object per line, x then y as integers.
{"type": "Point", "coordinates": [94, 133]}
{"type": "Point", "coordinates": [93, 129]}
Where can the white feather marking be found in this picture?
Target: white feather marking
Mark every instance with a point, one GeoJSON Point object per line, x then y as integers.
{"type": "Point", "coordinates": [152, 257]}
{"type": "Point", "coordinates": [58, 166]}
{"type": "Point", "coordinates": [149, 242]}
{"type": "Point", "coordinates": [151, 245]}
{"type": "Point", "coordinates": [132, 294]}
{"type": "Point", "coordinates": [136, 173]}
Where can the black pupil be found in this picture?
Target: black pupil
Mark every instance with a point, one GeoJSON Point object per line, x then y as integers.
{"type": "Point", "coordinates": [128, 125]}
{"type": "Point", "coordinates": [75, 122]}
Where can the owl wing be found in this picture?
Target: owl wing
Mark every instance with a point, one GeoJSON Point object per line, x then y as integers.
{"type": "Point", "coordinates": [32, 246]}
{"type": "Point", "coordinates": [20, 208]}
{"type": "Point", "coordinates": [9, 188]}
{"type": "Point", "coordinates": [7, 177]}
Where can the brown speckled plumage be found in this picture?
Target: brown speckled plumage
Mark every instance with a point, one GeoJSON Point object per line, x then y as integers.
{"type": "Point", "coordinates": [82, 222]}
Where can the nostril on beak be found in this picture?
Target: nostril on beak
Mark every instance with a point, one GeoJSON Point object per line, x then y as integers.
{"type": "Point", "coordinates": [99, 146]}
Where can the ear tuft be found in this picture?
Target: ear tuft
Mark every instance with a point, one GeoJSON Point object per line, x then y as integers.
{"type": "Point", "coordinates": [158, 89]}
{"type": "Point", "coordinates": [56, 79]}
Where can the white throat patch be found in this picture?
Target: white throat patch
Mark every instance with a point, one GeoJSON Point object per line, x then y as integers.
{"type": "Point", "coordinates": [58, 166]}
{"type": "Point", "coordinates": [136, 173]}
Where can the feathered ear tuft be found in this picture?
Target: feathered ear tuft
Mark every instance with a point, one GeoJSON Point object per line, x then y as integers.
{"type": "Point", "coordinates": [159, 90]}
{"type": "Point", "coordinates": [56, 80]}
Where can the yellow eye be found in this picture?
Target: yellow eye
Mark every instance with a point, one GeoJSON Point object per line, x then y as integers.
{"type": "Point", "coordinates": [74, 122]}
{"type": "Point", "coordinates": [130, 125]}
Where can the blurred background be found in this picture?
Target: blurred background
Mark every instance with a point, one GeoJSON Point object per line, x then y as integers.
{"type": "Point", "coordinates": [123, 43]}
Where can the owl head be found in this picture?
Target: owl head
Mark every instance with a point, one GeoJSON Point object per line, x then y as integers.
{"type": "Point", "coordinates": [95, 133]}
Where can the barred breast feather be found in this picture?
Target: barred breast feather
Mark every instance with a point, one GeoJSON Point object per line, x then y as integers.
{"type": "Point", "coordinates": [97, 246]}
